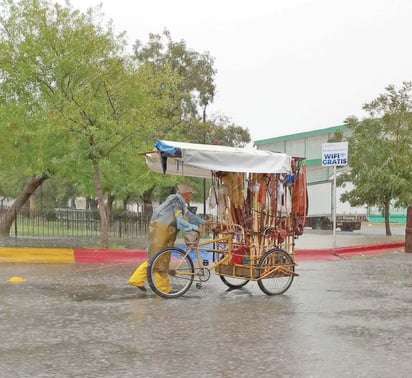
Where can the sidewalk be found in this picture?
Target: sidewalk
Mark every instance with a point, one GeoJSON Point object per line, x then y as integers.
{"type": "Point", "coordinates": [312, 245]}
{"type": "Point", "coordinates": [370, 240]}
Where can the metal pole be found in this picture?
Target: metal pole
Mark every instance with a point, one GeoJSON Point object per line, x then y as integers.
{"type": "Point", "coordinates": [408, 230]}
{"type": "Point", "coordinates": [204, 180]}
{"type": "Point", "coordinates": [334, 206]}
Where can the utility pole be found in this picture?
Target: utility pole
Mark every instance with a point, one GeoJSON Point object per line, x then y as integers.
{"type": "Point", "coordinates": [204, 142]}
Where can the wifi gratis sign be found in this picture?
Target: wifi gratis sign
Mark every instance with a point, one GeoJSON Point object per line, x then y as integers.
{"type": "Point", "coordinates": [334, 154]}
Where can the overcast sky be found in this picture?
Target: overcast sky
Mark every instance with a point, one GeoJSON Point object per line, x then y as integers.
{"type": "Point", "coordinates": [284, 66]}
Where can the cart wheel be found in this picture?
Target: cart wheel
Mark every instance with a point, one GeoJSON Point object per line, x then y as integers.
{"type": "Point", "coordinates": [277, 269]}
{"type": "Point", "coordinates": [233, 283]}
{"type": "Point", "coordinates": [179, 276]}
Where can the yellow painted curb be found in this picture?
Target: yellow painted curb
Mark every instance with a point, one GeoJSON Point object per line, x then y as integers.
{"type": "Point", "coordinates": [38, 255]}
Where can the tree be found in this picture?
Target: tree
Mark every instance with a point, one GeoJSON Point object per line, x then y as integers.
{"type": "Point", "coordinates": [197, 87]}
{"type": "Point", "coordinates": [74, 106]}
{"type": "Point", "coordinates": [85, 107]}
{"type": "Point", "coordinates": [222, 130]}
{"type": "Point", "coordinates": [187, 119]}
{"type": "Point", "coordinates": [45, 51]}
{"type": "Point", "coordinates": [380, 152]}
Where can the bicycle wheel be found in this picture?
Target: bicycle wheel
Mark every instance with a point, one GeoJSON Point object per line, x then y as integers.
{"type": "Point", "coordinates": [276, 268]}
{"type": "Point", "coordinates": [232, 282]}
{"type": "Point", "coordinates": [170, 272]}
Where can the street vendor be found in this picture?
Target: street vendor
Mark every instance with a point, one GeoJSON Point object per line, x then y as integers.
{"type": "Point", "coordinates": [167, 220]}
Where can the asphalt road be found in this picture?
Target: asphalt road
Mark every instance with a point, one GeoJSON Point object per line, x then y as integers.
{"type": "Point", "coordinates": [346, 318]}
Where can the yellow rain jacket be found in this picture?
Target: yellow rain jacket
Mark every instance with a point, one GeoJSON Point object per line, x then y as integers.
{"type": "Point", "coordinates": [167, 219]}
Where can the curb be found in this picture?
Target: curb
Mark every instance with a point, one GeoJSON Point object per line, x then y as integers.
{"type": "Point", "coordinates": [64, 255]}
{"type": "Point", "coordinates": [343, 252]}
{"type": "Point", "coordinates": [84, 255]}
{"type": "Point", "coordinates": [109, 255]}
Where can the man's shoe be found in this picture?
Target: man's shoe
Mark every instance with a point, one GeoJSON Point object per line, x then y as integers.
{"type": "Point", "coordinates": [142, 288]}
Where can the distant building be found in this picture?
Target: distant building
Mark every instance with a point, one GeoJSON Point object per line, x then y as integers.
{"type": "Point", "coordinates": [309, 145]}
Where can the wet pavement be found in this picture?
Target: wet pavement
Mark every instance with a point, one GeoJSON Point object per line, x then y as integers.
{"type": "Point", "coordinates": [346, 318]}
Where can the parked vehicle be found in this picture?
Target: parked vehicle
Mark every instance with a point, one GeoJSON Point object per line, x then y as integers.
{"type": "Point", "coordinates": [320, 214]}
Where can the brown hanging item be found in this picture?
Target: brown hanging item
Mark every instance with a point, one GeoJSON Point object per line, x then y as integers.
{"type": "Point", "coordinates": [300, 201]}
{"type": "Point", "coordinates": [262, 192]}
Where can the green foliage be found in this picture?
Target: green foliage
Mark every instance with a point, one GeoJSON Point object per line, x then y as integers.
{"type": "Point", "coordinates": [224, 132]}
{"type": "Point", "coordinates": [71, 101]}
{"type": "Point", "coordinates": [71, 97]}
{"type": "Point", "coordinates": [197, 88]}
{"type": "Point", "coordinates": [186, 117]}
{"type": "Point", "coordinates": [336, 137]}
{"type": "Point", "coordinates": [380, 151]}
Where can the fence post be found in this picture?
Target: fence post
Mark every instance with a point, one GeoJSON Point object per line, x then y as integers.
{"type": "Point", "coordinates": [408, 230]}
{"type": "Point", "coordinates": [15, 223]}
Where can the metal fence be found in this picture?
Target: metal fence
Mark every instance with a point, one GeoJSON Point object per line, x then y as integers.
{"type": "Point", "coordinates": [75, 224]}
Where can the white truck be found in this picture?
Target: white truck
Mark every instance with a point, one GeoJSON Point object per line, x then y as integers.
{"type": "Point", "coordinates": [320, 213]}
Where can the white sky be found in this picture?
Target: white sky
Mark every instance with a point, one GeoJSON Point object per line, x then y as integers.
{"type": "Point", "coordinates": [284, 66]}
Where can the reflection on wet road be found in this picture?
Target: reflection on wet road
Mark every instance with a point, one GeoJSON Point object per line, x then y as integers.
{"type": "Point", "coordinates": [348, 318]}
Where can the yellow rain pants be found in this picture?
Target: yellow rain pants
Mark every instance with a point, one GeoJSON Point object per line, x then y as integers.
{"type": "Point", "coordinates": [160, 236]}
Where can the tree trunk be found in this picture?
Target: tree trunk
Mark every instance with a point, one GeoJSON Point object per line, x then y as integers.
{"type": "Point", "coordinates": [30, 187]}
{"type": "Point", "coordinates": [109, 207]}
{"type": "Point", "coordinates": [102, 208]}
{"type": "Point", "coordinates": [386, 216]}
{"type": "Point", "coordinates": [125, 202]}
{"type": "Point", "coordinates": [91, 204]}
{"type": "Point", "coordinates": [147, 203]}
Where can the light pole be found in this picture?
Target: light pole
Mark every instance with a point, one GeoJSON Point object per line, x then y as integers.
{"type": "Point", "coordinates": [204, 142]}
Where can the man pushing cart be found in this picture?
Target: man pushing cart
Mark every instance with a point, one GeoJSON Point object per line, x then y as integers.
{"type": "Point", "coordinates": [261, 203]}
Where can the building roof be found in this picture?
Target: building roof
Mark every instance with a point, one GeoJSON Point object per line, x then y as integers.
{"type": "Point", "coordinates": [305, 134]}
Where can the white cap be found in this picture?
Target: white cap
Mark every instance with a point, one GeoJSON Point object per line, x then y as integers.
{"type": "Point", "coordinates": [184, 188]}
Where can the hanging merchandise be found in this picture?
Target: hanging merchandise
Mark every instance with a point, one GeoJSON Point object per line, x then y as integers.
{"type": "Point", "coordinates": [219, 198]}
{"type": "Point", "coordinates": [300, 200]}
{"type": "Point", "coordinates": [259, 200]}
{"type": "Point", "coordinates": [281, 208]}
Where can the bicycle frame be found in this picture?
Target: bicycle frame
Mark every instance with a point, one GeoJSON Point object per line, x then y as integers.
{"type": "Point", "coordinates": [254, 273]}
{"type": "Point", "coordinates": [201, 246]}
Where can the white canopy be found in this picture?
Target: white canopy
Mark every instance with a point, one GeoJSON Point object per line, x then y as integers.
{"type": "Point", "coordinates": [198, 160]}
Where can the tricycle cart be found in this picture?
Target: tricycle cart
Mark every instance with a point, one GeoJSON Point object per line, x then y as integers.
{"type": "Point", "coordinates": [260, 202]}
